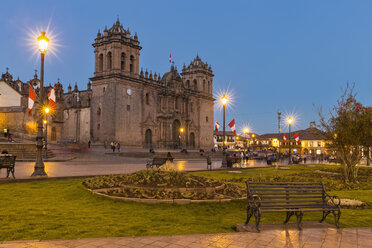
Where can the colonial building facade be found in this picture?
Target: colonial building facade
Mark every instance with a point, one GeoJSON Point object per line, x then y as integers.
{"type": "Point", "coordinates": [134, 107]}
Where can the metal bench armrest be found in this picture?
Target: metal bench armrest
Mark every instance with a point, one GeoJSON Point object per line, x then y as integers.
{"type": "Point", "coordinates": [255, 199]}
{"type": "Point", "coordinates": [336, 201]}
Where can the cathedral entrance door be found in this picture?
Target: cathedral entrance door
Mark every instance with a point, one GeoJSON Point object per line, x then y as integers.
{"type": "Point", "coordinates": [176, 133]}
{"type": "Point", "coordinates": [192, 140]}
{"type": "Point", "coordinates": [148, 138]}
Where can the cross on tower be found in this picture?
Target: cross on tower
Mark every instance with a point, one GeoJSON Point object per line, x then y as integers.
{"type": "Point", "coordinates": [7, 69]}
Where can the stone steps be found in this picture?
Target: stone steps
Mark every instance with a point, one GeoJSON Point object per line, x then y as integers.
{"type": "Point", "coordinates": [23, 150]}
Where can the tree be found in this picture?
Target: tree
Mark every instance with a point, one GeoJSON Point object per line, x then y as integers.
{"type": "Point", "coordinates": [349, 130]}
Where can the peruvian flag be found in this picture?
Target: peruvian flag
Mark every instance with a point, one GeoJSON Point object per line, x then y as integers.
{"type": "Point", "coordinates": [232, 126]}
{"type": "Point", "coordinates": [296, 137]}
{"type": "Point", "coordinates": [170, 58]}
{"type": "Point", "coordinates": [285, 136]}
{"type": "Point", "coordinates": [31, 99]}
{"type": "Point", "coordinates": [217, 126]}
{"type": "Point", "coordinates": [52, 99]}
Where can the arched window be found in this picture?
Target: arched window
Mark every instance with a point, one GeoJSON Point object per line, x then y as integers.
{"type": "Point", "coordinates": [100, 62]}
{"type": "Point", "coordinates": [209, 86]}
{"type": "Point", "coordinates": [109, 61]}
{"type": "Point", "coordinates": [204, 85]}
{"type": "Point", "coordinates": [188, 84]}
{"type": "Point", "coordinates": [191, 107]}
{"type": "Point", "coordinates": [147, 98]}
{"type": "Point", "coordinates": [104, 89]}
{"type": "Point", "coordinates": [195, 85]}
{"type": "Point", "coordinates": [122, 63]}
{"type": "Point", "coordinates": [131, 65]}
{"type": "Point", "coordinates": [99, 111]}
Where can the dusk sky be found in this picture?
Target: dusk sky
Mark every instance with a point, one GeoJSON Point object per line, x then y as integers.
{"type": "Point", "coordinates": [294, 56]}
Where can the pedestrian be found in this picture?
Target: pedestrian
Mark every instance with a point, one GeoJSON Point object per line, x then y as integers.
{"type": "Point", "coordinates": [10, 139]}
{"type": "Point", "coordinates": [89, 143]}
{"type": "Point", "coordinates": [118, 146]}
{"type": "Point", "coordinates": [209, 162]}
{"type": "Point", "coordinates": [113, 146]}
{"type": "Point", "coordinates": [105, 144]}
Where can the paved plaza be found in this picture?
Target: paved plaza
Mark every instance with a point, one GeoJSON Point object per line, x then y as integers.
{"type": "Point", "coordinates": [308, 238]}
{"type": "Point", "coordinates": [96, 162]}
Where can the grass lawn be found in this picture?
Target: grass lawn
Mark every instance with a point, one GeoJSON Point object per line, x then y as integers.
{"type": "Point", "coordinates": [56, 209]}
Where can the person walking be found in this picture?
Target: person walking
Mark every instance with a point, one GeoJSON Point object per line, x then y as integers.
{"type": "Point", "coordinates": [89, 143]}
{"type": "Point", "coordinates": [118, 146]}
{"type": "Point", "coordinates": [105, 144]}
{"type": "Point", "coordinates": [113, 146]}
{"type": "Point", "coordinates": [209, 162]}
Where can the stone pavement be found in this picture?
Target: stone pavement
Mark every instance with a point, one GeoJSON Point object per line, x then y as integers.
{"type": "Point", "coordinates": [319, 237]}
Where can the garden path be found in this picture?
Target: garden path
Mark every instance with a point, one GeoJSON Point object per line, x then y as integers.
{"type": "Point", "coordinates": [317, 237]}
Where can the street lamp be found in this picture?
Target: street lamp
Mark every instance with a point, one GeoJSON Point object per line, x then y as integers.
{"type": "Point", "coordinates": [290, 120]}
{"type": "Point", "coordinates": [181, 132]}
{"type": "Point", "coordinates": [46, 111]}
{"type": "Point", "coordinates": [224, 162]}
{"type": "Point", "coordinates": [39, 169]}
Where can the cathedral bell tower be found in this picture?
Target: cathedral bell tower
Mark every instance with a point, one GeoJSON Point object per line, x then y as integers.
{"type": "Point", "coordinates": [116, 52]}
{"type": "Point", "coordinates": [198, 76]}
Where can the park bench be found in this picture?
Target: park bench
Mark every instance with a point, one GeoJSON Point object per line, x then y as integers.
{"type": "Point", "coordinates": [293, 198]}
{"type": "Point", "coordinates": [7, 162]}
{"type": "Point", "coordinates": [157, 161]}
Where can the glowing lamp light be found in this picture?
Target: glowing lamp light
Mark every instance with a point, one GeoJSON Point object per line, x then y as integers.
{"type": "Point", "coordinates": [46, 110]}
{"type": "Point", "coordinates": [290, 120]}
{"type": "Point", "coordinates": [182, 130]}
{"type": "Point", "coordinates": [224, 100]}
{"type": "Point", "coordinates": [45, 122]}
{"type": "Point", "coordinates": [246, 130]}
{"type": "Point", "coordinates": [43, 43]}
{"type": "Point", "coordinates": [253, 135]}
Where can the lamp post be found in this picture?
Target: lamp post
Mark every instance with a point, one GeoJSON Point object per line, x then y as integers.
{"type": "Point", "coordinates": [279, 130]}
{"type": "Point", "coordinates": [46, 111]}
{"type": "Point", "coordinates": [181, 132]}
{"type": "Point", "coordinates": [290, 120]}
{"type": "Point", "coordinates": [246, 131]}
{"type": "Point", "coordinates": [224, 162]}
{"type": "Point", "coordinates": [39, 169]}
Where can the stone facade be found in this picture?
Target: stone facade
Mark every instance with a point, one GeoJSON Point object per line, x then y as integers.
{"type": "Point", "coordinates": [142, 109]}
{"type": "Point", "coordinates": [128, 105]}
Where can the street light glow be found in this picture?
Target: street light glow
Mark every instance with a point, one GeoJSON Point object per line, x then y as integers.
{"type": "Point", "coordinates": [290, 120]}
{"type": "Point", "coordinates": [45, 122]}
{"type": "Point", "coordinates": [246, 130]}
{"type": "Point", "coordinates": [43, 42]}
{"type": "Point", "coordinates": [182, 130]}
{"type": "Point", "coordinates": [224, 100]}
{"type": "Point", "coordinates": [46, 110]}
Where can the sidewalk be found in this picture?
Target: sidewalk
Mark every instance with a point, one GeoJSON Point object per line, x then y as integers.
{"type": "Point", "coordinates": [320, 237]}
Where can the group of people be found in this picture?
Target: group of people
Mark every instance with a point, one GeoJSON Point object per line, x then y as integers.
{"type": "Point", "coordinates": [114, 146]}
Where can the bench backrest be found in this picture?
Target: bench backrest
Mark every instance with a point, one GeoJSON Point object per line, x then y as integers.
{"type": "Point", "coordinates": [278, 194]}
{"type": "Point", "coordinates": [7, 161]}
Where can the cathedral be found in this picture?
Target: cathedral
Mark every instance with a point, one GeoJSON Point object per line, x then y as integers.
{"type": "Point", "coordinates": [123, 103]}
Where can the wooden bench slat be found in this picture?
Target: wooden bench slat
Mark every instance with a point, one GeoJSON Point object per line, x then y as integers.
{"type": "Point", "coordinates": [288, 201]}
{"type": "Point", "coordinates": [291, 197]}
{"type": "Point", "coordinates": [285, 186]}
{"type": "Point", "coordinates": [284, 183]}
{"type": "Point", "coordinates": [287, 190]}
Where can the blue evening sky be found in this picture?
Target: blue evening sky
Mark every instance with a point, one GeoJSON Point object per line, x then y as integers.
{"type": "Point", "coordinates": [294, 56]}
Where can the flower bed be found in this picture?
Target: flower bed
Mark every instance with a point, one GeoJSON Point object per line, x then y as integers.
{"type": "Point", "coordinates": [167, 185]}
